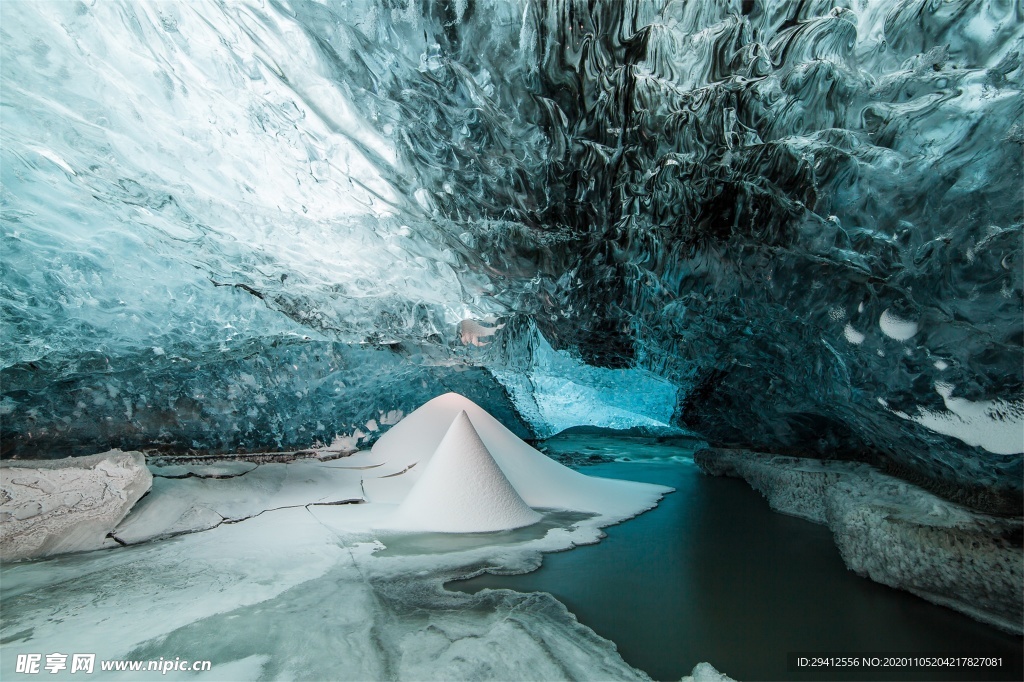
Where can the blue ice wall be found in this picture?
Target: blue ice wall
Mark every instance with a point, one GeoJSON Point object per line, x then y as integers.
{"type": "Point", "coordinates": [794, 226]}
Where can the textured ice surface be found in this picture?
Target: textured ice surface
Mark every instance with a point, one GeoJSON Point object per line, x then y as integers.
{"type": "Point", "coordinates": [462, 489]}
{"type": "Point", "coordinates": [287, 395]}
{"type": "Point", "coordinates": [263, 226]}
{"type": "Point", "coordinates": [67, 505]}
{"type": "Point", "coordinates": [894, 532]}
{"type": "Point", "coordinates": [284, 597]}
{"type": "Point", "coordinates": [555, 391]}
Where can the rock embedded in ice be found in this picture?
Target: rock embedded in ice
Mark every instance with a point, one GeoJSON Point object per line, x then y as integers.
{"type": "Point", "coordinates": [67, 505]}
{"type": "Point", "coordinates": [894, 532]}
{"type": "Point", "coordinates": [462, 489]}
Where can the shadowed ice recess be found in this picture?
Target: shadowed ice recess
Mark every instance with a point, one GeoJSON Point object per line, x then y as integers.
{"type": "Point", "coordinates": [787, 226]}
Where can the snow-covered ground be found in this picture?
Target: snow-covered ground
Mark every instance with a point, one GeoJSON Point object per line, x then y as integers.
{"type": "Point", "coordinates": [303, 570]}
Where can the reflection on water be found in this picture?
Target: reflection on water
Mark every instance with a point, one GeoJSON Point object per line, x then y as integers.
{"type": "Point", "coordinates": [714, 575]}
{"type": "Point", "coordinates": [585, 446]}
{"type": "Point", "coordinates": [404, 544]}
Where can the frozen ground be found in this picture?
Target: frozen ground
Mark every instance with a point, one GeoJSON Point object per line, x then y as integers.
{"type": "Point", "coordinates": [275, 571]}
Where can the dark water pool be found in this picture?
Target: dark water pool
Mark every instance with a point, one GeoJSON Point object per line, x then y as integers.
{"type": "Point", "coordinates": [714, 575]}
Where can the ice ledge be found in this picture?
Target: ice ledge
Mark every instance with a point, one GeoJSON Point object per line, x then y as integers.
{"type": "Point", "coordinates": [67, 505]}
{"type": "Point", "coordinates": [894, 532]}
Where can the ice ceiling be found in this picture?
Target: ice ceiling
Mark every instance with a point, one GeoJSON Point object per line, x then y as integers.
{"type": "Point", "coordinates": [792, 226]}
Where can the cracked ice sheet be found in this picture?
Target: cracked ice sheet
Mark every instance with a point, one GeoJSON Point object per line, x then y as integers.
{"type": "Point", "coordinates": [107, 602]}
{"type": "Point", "coordinates": [226, 469]}
{"type": "Point", "coordinates": [289, 594]}
{"type": "Point", "coordinates": [184, 505]}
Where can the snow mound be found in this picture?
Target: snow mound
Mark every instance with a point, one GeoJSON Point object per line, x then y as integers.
{"type": "Point", "coordinates": [405, 451]}
{"type": "Point", "coordinates": [462, 489]}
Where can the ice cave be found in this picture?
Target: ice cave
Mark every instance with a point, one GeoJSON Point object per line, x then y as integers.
{"type": "Point", "coordinates": [512, 340]}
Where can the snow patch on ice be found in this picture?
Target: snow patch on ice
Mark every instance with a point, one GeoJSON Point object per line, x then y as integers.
{"type": "Point", "coordinates": [995, 425]}
{"type": "Point", "coordinates": [852, 335]}
{"type": "Point", "coordinates": [216, 493]}
{"type": "Point", "coordinates": [896, 327]}
{"type": "Point", "coordinates": [343, 442]}
{"type": "Point", "coordinates": [705, 672]}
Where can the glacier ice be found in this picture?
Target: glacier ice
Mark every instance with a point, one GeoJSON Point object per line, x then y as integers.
{"type": "Point", "coordinates": [263, 226]}
{"type": "Point", "coordinates": [994, 425]}
{"type": "Point", "coordinates": [555, 391]}
{"type": "Point", "coordinates": [232, 227]}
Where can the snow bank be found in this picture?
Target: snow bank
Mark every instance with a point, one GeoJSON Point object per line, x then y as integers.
{"type": "Point", "coordinates": [403, 452]}
{"type": "Point", "coordinates": [462, 489]}
{"type": "Point", "coordinates": [67, 505]}
{"type": "Point", "coordinates": [379, 488]}
{"type": "Point", "coordinates": [895, 532]}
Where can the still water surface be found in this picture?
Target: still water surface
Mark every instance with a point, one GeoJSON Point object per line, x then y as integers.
{"type": "Point", "coordinates": [714, 575]}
